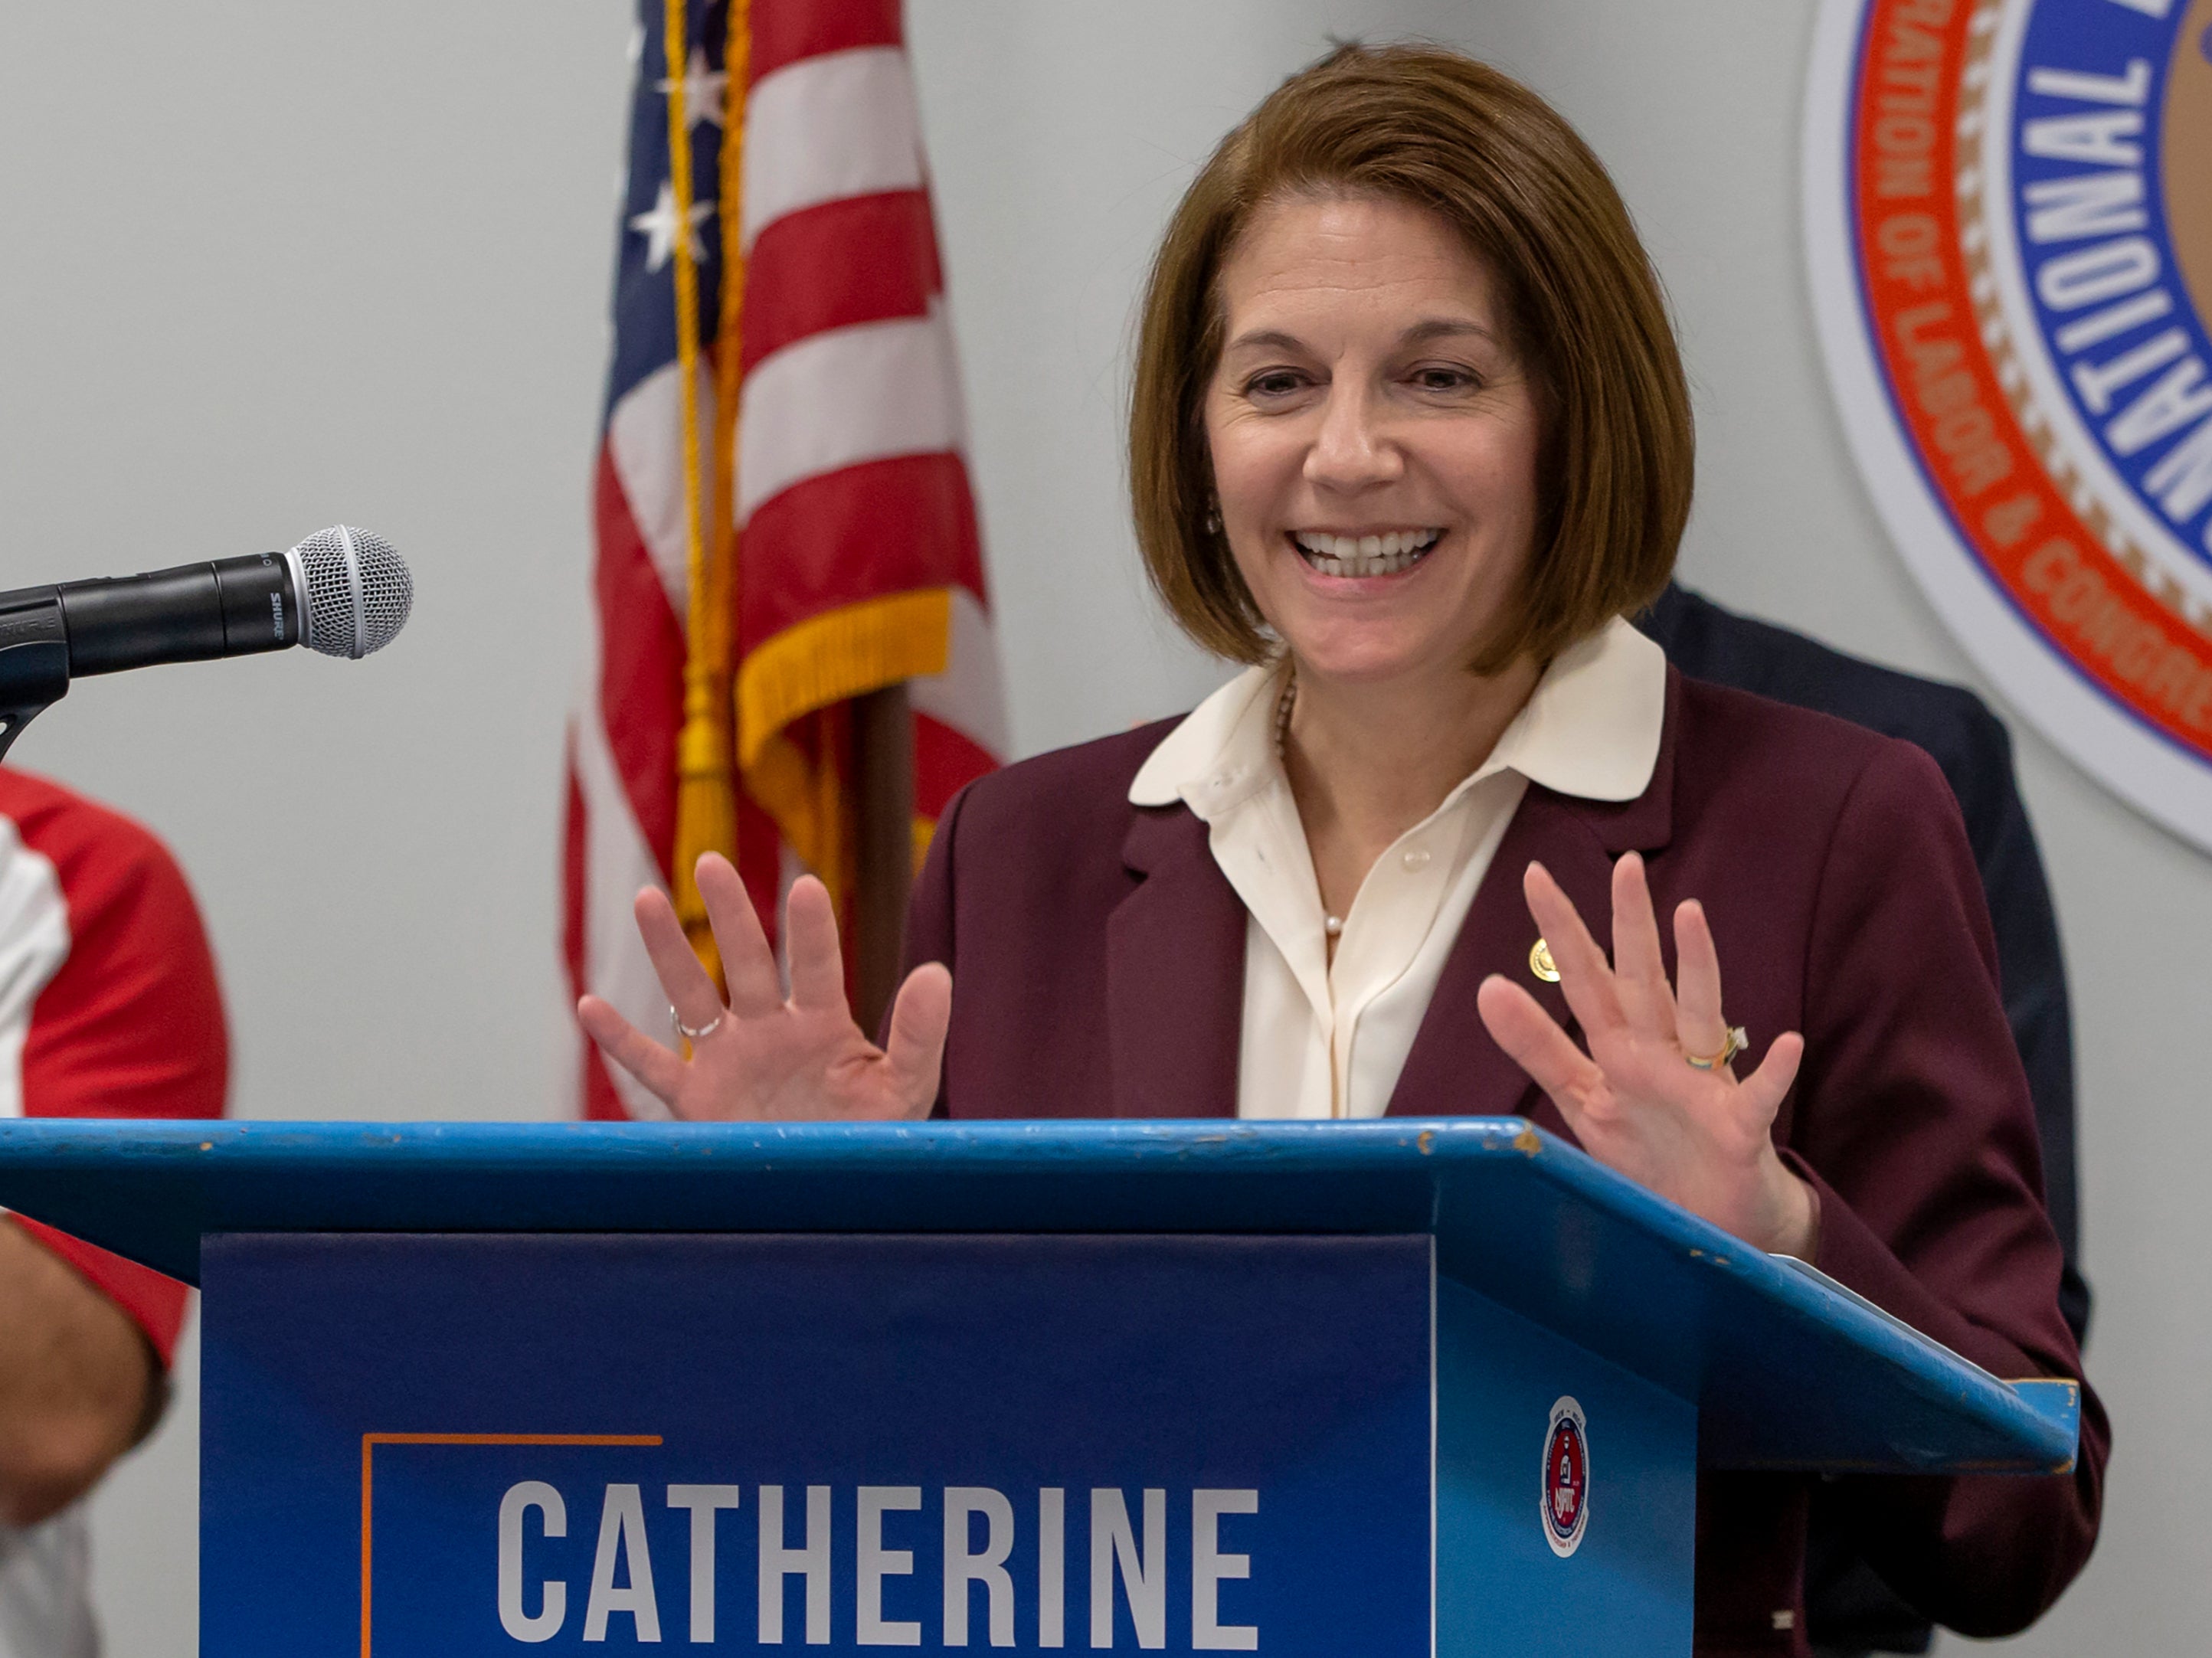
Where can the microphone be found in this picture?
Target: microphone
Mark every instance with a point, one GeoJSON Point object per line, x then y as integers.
{"type": "Point", "coordinates": [343, 593]}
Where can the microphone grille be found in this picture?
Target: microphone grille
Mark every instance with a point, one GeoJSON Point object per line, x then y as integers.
{"type": "Point", "coordinates": [355, 591]}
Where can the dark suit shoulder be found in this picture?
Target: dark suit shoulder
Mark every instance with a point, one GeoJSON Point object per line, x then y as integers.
{"type": "Point", "coordinates": [1956, 728]}
{"type": "Point", "coordinates": [1727, 739]}
{"type": "Point", "coordinates": [1074, 792]}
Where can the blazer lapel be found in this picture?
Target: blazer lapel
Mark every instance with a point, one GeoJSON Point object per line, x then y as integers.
{"type": "Point", "coordinates": [1454, 1068]}
{"type": "Point", "coordinates": [1175, 974]}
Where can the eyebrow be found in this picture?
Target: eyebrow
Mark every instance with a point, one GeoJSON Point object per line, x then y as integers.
{"type": "Point", "coordinates": [1421, 333]}
{"type": "Point", "coordinates": [1445, 329]}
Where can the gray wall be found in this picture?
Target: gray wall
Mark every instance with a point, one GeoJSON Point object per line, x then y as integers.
{"type": "Point", "coordinates": [270, 266]}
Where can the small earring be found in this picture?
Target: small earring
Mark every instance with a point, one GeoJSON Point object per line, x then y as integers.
{"type": "Point", "coordinates": [1213, 521]}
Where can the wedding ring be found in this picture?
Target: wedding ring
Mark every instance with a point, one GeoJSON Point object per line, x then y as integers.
{"type": "Point", "coordinates": [706, 1030]}
{"type": "Point", "coordinates": [1738, 1040]}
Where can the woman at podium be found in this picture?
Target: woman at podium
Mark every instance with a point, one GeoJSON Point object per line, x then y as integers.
{"type": "Point", "coordinates": [1410, 438]}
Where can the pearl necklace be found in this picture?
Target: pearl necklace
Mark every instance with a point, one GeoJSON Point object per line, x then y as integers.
{"type": "Point", "coordinates": [1332, 925]}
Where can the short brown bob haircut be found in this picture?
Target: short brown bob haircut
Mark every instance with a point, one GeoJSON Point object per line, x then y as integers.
{"type": "Point", "coordinates": [1424, 124]}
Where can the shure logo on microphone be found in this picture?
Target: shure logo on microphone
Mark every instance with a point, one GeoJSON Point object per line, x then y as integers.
{"type": "Point", "coordinates": [277, 615]}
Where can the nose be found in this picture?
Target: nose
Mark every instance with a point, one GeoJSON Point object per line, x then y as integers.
{"type": "Point", "coordinates": [1352, 451]}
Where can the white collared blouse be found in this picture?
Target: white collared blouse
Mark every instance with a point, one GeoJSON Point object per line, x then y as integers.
{"type": "Point", "coordinates": [1328, 1039]}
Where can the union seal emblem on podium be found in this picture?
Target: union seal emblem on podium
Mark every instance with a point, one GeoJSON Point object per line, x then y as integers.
{"type": "Point", "coordinates": [1566, 1477]}
{"type": "Point", "coordinates": [2008, 228]}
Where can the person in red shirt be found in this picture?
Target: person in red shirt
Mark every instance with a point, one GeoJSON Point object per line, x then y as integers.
{"type": "Point", "coordinates": [109, 1007]}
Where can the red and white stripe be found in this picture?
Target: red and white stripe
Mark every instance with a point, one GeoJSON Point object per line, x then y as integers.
{"type": "Point", "coordinates": [851, 480]}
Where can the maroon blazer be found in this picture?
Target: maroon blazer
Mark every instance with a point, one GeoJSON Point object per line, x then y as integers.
{"type": "Point", "coordinates": [1097, 956]}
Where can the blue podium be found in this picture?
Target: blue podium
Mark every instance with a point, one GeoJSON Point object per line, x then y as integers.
{"type": "Point", "coordinates": [1383, 1388]}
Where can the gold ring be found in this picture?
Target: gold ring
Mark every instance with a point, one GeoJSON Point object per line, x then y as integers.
{"type": "Point", "coordinates": [1738, 1040]}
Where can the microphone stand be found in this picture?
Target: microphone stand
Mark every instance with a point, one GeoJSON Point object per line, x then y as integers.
{"type": "Point", "coordinates": [35, 660]}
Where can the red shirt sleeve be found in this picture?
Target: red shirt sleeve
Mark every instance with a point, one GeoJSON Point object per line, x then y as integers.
{"type": "Point", "coordinates": [132, 1023]}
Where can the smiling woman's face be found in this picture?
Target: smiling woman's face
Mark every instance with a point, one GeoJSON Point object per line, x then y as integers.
{"type": "Point", "coordinates": [1373, 438]}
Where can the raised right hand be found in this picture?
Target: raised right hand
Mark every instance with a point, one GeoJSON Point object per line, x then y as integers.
{"type": "Point", "coordinates": [771, 1059]}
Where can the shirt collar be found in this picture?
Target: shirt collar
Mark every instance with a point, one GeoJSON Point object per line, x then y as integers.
{"type": "Point", "coordinates": [1591, 730]}
{"type": "Point", "coordinates": [1222, 753]}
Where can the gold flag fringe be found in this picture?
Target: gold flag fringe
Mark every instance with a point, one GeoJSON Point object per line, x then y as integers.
{"type": "Point", "coordinates": [812, 666]}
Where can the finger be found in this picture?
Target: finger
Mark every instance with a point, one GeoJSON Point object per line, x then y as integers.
{"type": "Point", "coordinates": [919, 1017]}
{"type": "Point", "coordinates": [1534, 1042]}
{"type": "Point", "coordinates": [631, 1048]}
{"type": "Point", "coordinates": [817, 961]}
{"type": "Point", "coordinates": [1766, 1087]}
{"type": "Point", "coordinates": [685, 983]}
{"type": "Point", "coordinates": [1584, 978]}
{"type": "Point", "coordinates": [748, 964]}
{"type": "Point", "coordinates": [1639, 967]}
{"type": "Point", "coordinates": [1700, 1020]}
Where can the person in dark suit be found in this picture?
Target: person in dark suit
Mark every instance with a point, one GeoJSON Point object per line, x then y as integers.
{"type": "Point", "coordinates": [1411, 438]}
{"type": "Point", "coordinates": [1849, 1608]}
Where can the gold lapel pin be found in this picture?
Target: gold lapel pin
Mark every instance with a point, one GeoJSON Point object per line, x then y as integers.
{"type": "Point", "coordinates": [1541, 964]}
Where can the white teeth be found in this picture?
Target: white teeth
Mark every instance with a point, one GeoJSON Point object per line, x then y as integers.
{"type": "Point", "coordinates": [1365, 555]}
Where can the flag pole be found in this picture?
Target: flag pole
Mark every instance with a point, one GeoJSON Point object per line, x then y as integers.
{"type": "Point", "coordinates": [706, 792]}
{"type": "Point", "coordinates": [883, 774]}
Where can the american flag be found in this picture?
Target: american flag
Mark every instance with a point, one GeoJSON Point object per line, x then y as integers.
{"type": "Point", "coordinates": [819, 509]}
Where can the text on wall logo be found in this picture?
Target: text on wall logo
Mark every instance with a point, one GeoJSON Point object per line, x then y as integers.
{"type": "Point", "coordinates": [2009, 215]}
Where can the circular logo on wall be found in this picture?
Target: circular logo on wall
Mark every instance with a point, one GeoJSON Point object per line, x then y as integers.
{"type": "Point", "coordinates": [1565, 1491]}
{"type": "Point", "coordinates": [2008, 220]}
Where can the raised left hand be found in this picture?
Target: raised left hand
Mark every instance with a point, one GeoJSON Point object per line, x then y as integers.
{"type": "Point", "coordinates": [766, 1057]}
{"type": "Point", "coordinates": [1703, 1139]}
